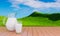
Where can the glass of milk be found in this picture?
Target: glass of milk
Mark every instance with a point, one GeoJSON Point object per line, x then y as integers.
{"type": "Point", "coordinates": [18, 27]}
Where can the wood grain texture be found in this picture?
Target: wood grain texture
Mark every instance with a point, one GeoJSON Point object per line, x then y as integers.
{"type": "Point", "coordinates": [32, 31]}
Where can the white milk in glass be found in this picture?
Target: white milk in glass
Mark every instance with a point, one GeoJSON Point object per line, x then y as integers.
{"type": "Point", "coordinates": [18, 28]}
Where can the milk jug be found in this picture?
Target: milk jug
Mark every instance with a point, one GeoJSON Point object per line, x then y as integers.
{"type": "Point", "coordinates": [11, 21]}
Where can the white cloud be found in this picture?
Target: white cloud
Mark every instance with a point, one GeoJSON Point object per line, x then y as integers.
{"type": "Point", "coordinates": [35, 4]}
{"type": "Point", "coordinates": [57, 1]}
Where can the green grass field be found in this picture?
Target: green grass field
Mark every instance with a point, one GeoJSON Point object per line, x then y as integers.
{"type": "Point", "coordinates": [2, 20]}
{"type": "Point", "coordinates": [37, 19]}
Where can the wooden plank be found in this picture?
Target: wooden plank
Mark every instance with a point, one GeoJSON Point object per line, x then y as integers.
{"type": "Point", "coordinates": [57, 31]}
{"type": "Point", "coordinates": [3, 29]}
{"type": "Point", "coordinates": [43, 30]}
{"type": "Point", "coordinates": [40, 33]}
{"type": "Point", "coordinates": [54, 32]}
{"type": "Point", "coordinates": [25, 31]}
{"type": "Point", "coordinates": [5, 32]}
{"type": "Point", "coordinates": [35, 33]}
{"type": "Point", "coordinates": [9, 34]}
{"type": "Point", "coordinates": [30, 31]}
{"type": "Point", "coordinates": [51, 31]}
{"type": "Point", "coordinates": [48, 32]}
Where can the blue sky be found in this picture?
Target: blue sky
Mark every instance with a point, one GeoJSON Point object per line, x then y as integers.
{"type": "Point", "coordinates": [47, 0]}
{"type": "Point", "coordinates": [27, 7]}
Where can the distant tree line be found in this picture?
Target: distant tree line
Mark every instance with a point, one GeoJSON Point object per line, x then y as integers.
{"type": "Point", "coordinates": [53, 17]}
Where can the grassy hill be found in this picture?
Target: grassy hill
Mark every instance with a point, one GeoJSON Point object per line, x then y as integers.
{"type": "Point", "coordinates": [39, 19]}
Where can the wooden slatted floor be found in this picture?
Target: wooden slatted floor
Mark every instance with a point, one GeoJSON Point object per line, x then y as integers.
{"type": "Point", "coordinates": [32, 31]}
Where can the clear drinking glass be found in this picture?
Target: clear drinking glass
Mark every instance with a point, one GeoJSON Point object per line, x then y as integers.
{"type": "Point", "coordinates": [18, 27]}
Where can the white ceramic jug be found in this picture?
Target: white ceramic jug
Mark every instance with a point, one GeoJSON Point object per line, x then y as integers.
{"type": "Point", "coordinates": [11, 21]}
{"type": "Point", "coordinates": [10, 24]}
